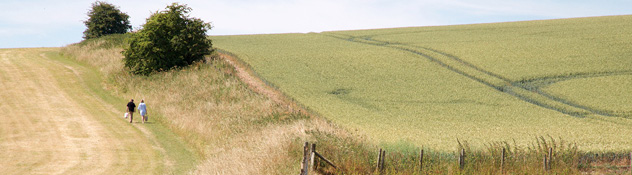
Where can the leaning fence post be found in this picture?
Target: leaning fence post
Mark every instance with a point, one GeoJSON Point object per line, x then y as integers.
{"type": "Point", "coordinates": [421, 160]}
{"type": "Point", "coordinates": [324, 159]}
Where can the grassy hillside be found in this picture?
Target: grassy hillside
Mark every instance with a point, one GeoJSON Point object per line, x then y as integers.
{"type": "Point", "coordinates": [398, 95]}
{"type": "Point", "coordinates": [482, 83]}
{"type": "Point", "coordinates": [233, 129]}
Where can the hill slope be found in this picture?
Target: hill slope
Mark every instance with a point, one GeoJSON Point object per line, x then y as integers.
{"type": "Point", "coordinates": [234, 129]}
{"type": "Point", "coordinates": [482, 83]}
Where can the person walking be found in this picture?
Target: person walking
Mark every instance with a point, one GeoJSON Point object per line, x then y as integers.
{"type": "Point", "coordinates": [142, 108]}
{"type": "Point", "coordinates": [130, 109]}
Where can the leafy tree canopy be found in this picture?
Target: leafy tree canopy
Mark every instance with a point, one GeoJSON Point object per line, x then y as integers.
{"type": "Point", "coordinates": [168, 39]}
{"type": "Point", "coordinates": [105, 19]}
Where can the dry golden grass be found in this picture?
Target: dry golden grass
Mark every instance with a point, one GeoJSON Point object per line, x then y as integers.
{"type": "Point", "coordinates": [235, 129]}
{"type": "Point", "coordinates": [106, 59]}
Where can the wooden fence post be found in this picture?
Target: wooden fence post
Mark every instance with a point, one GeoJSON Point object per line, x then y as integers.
{"type": "Point", "coordinates": [545, 169]}
{"type": "Point", "coordinates": [502, 162]}
{"type": "Point", "coordinates": [421, 160]}
{"type": "Point", "coordinates": [314, 161]}
{"type": "Point", "coordinates": [379, 160]}
{"type": "Point", "coordinates": [382, 162]}
{"type": "Point", "coordinates": [550, 158]}
{"type": "Point", "coordinates": [462, 159]}
{"type": "Point", "coordinates": [305, 162]}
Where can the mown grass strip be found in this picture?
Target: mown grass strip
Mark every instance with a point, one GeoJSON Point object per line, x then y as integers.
{"type": "Point", "coordinates": [177, 150]}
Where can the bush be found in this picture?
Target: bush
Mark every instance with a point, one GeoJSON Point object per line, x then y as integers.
{"type": "Point", "coordinates": [105, 19]}
{"type": "Point", "coordinates": [168, 39]}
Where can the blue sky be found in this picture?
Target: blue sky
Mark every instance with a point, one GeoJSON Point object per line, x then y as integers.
{"type": "Point", "coordinates": [54, 23]}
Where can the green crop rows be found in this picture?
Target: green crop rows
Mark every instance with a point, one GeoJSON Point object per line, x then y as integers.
{"type": "Point", "coordinates": [568, 78]}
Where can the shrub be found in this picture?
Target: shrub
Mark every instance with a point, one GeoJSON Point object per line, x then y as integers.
{"type": "Point", "coordinates": [168, 39]}
{"type": "Point", "coordinates": [105, 19]}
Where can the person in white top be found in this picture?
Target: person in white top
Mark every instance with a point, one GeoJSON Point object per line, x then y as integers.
{"type": "Point", "coordinates": [142, 108]}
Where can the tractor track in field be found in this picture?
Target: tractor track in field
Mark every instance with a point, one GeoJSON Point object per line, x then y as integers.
{"type": "Point", "coordinates": [537, 84]}
{"type": "Point", "coordinates": [529, 90]}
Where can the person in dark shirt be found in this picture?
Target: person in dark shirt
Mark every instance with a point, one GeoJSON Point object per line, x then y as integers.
{"type": "Point", "coordinates": [130, 109]}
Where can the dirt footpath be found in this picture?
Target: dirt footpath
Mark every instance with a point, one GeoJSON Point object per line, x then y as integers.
{"type": "Point", "coordinates": [50, 124]}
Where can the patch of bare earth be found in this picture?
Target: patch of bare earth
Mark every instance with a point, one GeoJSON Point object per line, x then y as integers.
{"type": "Point", "coordinates": [50, 125]}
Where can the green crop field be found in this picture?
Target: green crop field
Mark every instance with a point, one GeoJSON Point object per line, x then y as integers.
{"type": "Point", "coordinates": [429, 86]}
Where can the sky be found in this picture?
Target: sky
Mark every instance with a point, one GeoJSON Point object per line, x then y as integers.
{"type": "Point", "coordinates": [56, 23]}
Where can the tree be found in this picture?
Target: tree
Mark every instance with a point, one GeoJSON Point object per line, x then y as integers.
{"type": "Point", "coordinates": [105, 19]}
{"type": "Point", "coordinates": [168, 39]}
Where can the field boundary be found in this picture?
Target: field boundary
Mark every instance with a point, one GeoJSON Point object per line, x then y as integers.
{"type": "Point", "coordinates": [248, 76]}
{"type": "Point", "coordinates": [548, 158]}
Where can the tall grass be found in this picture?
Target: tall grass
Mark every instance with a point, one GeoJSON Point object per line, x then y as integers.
{"type": "Point", "coordinates": [403, 158]}
{"type": "Point", "coordinates": [239, 131]}
{"type": "Point", "coordinates": [236, 130]}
